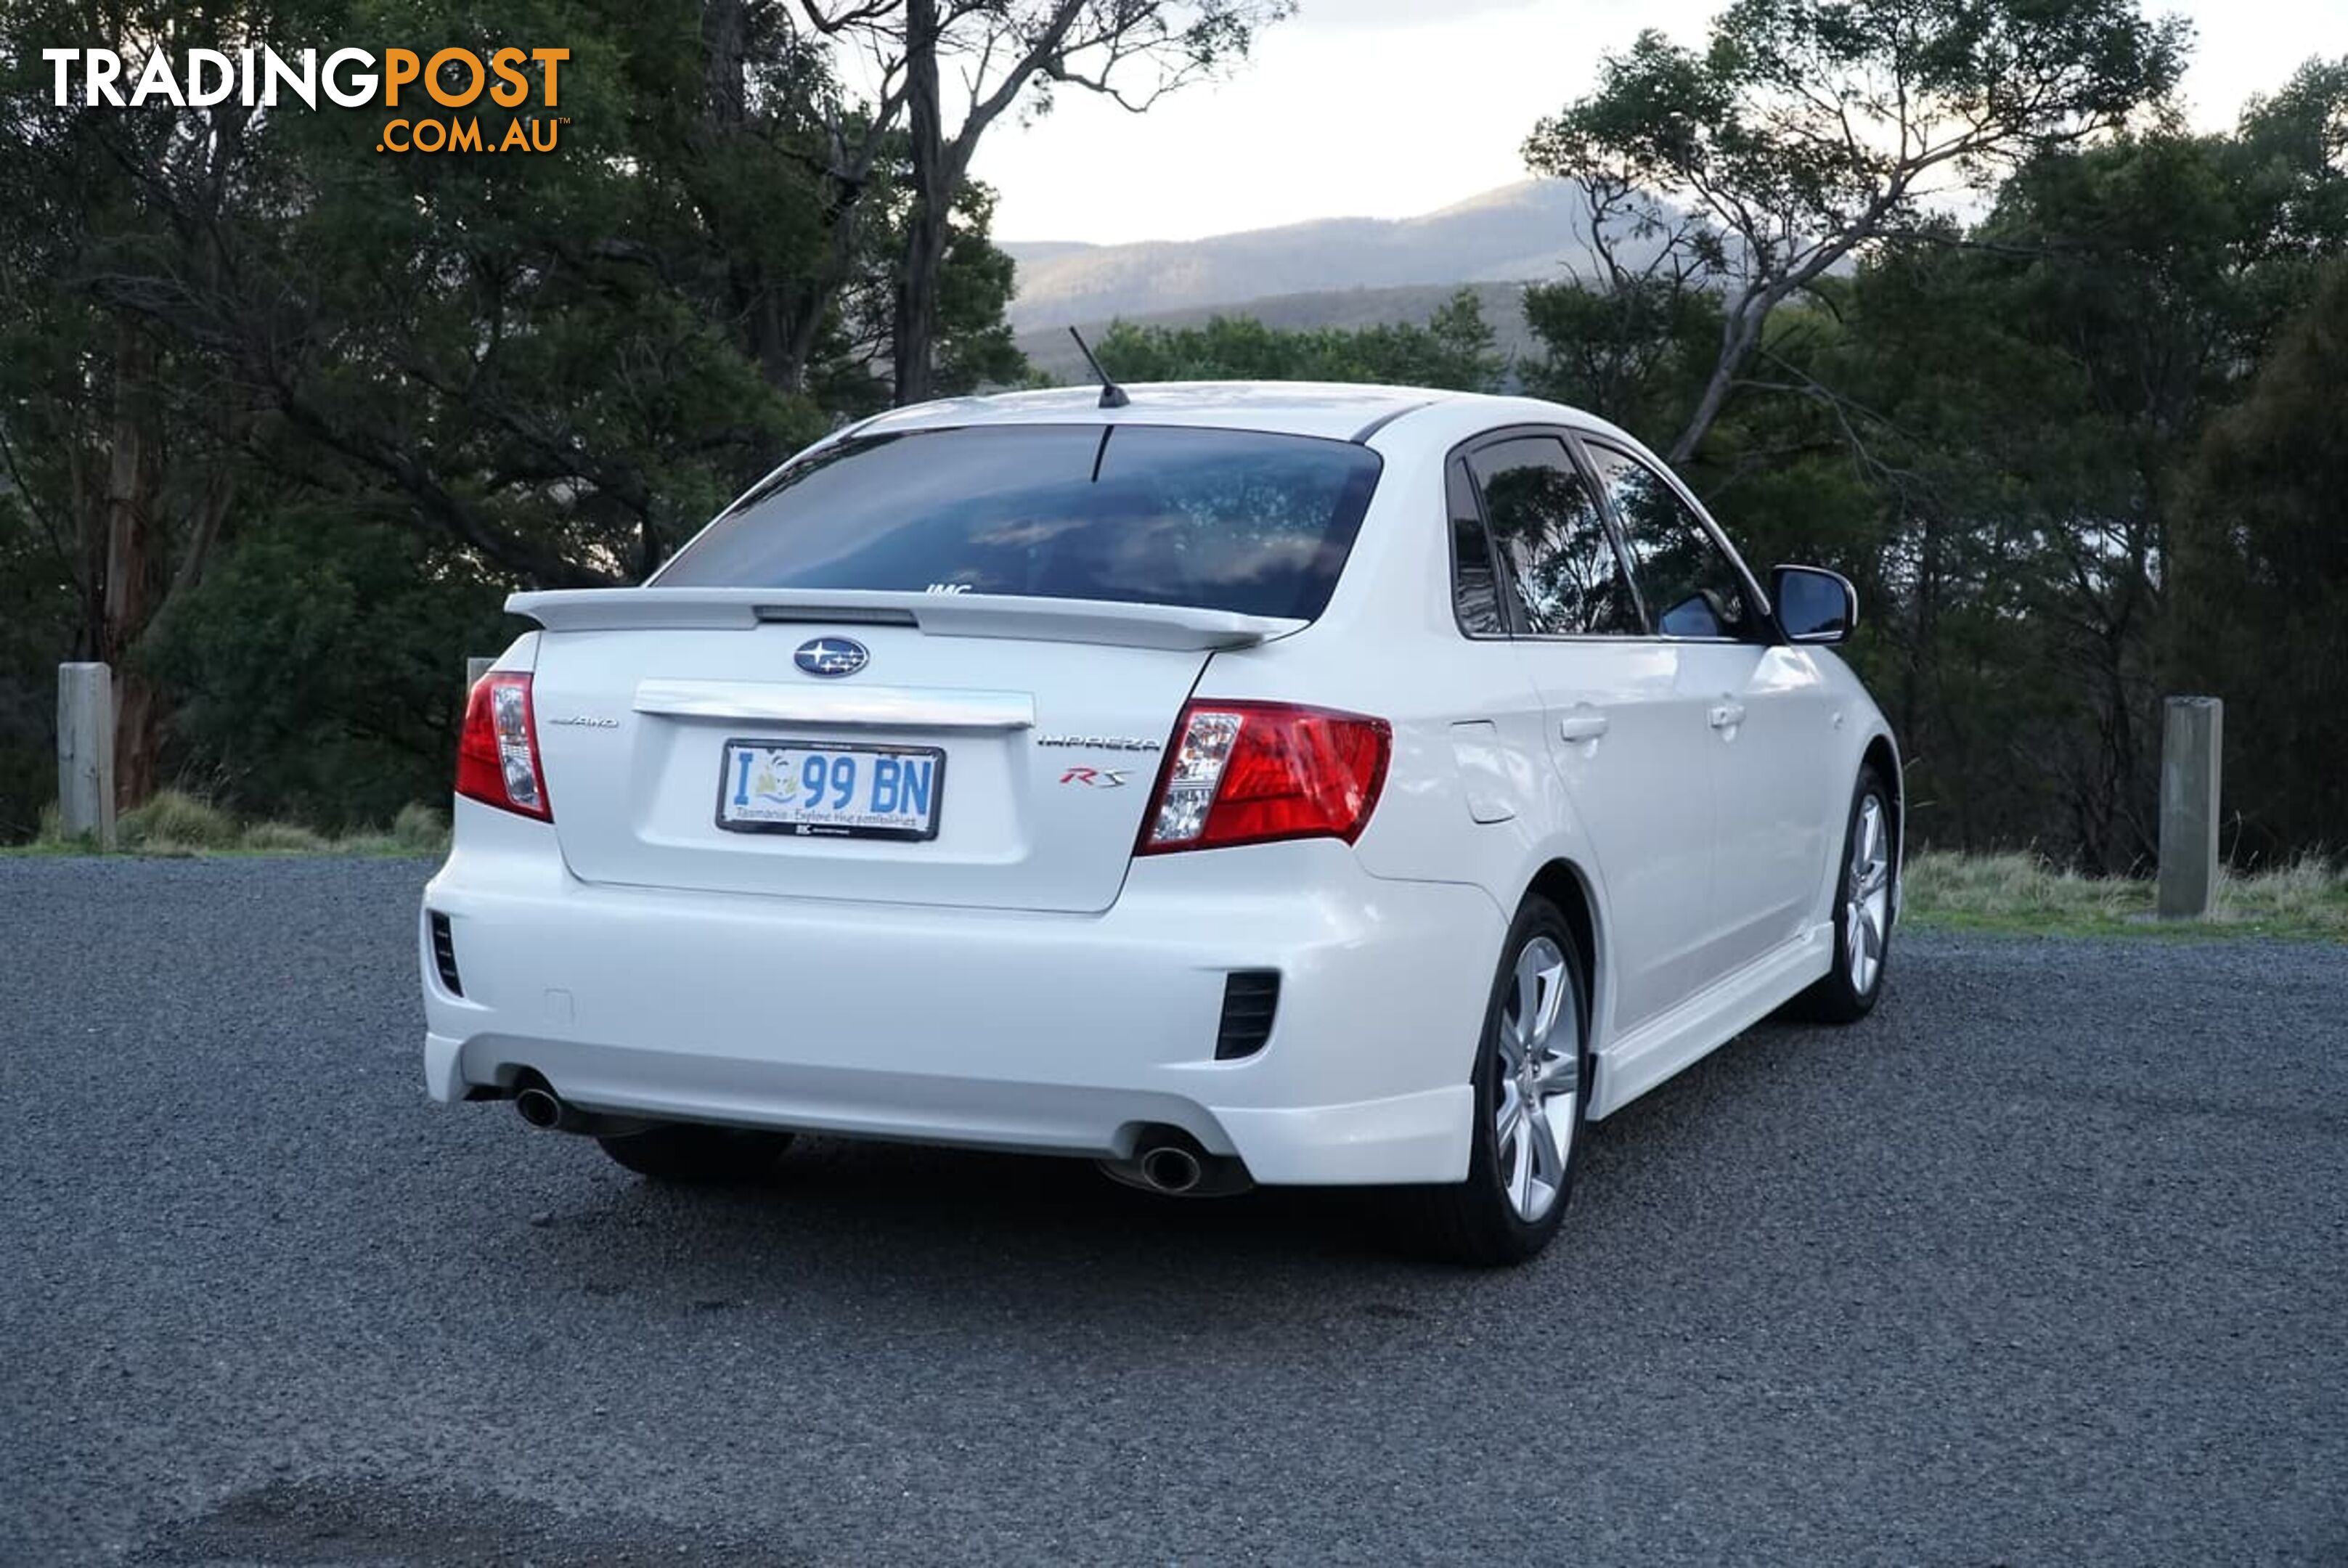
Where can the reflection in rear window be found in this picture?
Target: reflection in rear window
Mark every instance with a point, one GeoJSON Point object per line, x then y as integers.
{"type": "Point", "coordinates": [1143, 514]}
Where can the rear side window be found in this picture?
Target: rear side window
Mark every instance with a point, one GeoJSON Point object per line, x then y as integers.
{"type": "Point", "coordinates": [1140, 514]}
{"type": "Point", "coordinates": [1475, 586]}
{"type": "Point", "coordinates": [1691, 587]}
{"type": "Point", "coordinates": [1552, 538]}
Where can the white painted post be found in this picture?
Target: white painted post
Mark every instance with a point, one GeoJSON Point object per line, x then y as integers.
{"type": "Point", "coordinates": [85, 753]}
{"type": "Point", "coordinates": [2190, 747]}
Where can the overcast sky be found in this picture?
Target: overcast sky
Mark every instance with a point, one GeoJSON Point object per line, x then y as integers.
{"type": "Point", "coordinates": [1389, 107]}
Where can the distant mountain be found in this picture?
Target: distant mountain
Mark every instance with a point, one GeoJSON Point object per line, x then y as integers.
{"type": "Point", "coordinates": [1050, 350]}
{"type": "Point", "coordinates": [1518, 232]}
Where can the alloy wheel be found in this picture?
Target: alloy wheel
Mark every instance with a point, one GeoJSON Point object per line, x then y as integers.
{"type": "Point", "coordinates": [1867, 912]}
{"type": "Point", "coordinates": [1540, 1081]}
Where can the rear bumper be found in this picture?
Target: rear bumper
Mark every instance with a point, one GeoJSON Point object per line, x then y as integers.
{"type": "Point", "coordinates": [1048, 1032]}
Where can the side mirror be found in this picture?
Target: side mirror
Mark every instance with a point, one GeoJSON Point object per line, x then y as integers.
{"type": "Point", "coordinates": [1814, 605]}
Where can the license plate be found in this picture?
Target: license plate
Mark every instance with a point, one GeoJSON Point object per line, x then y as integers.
{"type": "Point", "coordinates": [831, 792]}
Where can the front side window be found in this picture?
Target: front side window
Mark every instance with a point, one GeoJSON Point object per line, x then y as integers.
{"type": "Point", "coordinates": [1691, 587]}
{"type": "Point", "coordinates": [1564, 574]}
{"type": "Point", "coordinates": [1139, 514]}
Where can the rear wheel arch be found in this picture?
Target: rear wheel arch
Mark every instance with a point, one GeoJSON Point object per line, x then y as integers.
{"type": "Point", "coordinates": [1565, 885]}
{"type": "Point", "coordinates": [1528, 1094]}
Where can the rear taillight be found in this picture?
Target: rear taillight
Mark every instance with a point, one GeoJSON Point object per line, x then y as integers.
{"type": "Point", "coordinates": [1246, 773]}
{"type": "Point", "coordinates": [496, 756]}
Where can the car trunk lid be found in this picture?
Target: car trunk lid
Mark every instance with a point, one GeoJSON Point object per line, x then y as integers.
{"type": "Point", "coordinates": [1047, 718]}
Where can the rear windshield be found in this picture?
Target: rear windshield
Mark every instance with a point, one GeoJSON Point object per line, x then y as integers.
{"type": "Point", "coordinates": [1143, 514]}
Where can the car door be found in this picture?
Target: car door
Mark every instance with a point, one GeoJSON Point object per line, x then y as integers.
{"type": "Point", "coordinates": [1626, 732]}
{"type": "Point", "coordinates": [1767, 714]}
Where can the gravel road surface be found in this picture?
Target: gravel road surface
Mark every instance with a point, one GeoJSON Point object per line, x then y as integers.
{"type": "Point", "coordinates": [2045, 1263]}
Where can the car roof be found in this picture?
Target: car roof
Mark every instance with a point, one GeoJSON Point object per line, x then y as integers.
{"type": "Point", "coordinates": [1338, 411]}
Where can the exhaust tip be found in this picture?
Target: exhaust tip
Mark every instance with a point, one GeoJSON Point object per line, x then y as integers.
{"type": "Point", "coordinates": [1172, 1163]}
{"type": "Point", "coordinates": [538, 1107]}
{"type": "Point", "coordinates": [1170, 1169]}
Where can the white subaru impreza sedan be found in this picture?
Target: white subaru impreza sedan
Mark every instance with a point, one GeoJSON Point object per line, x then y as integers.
{"type": "Point", "coordinates": [1229, 784]}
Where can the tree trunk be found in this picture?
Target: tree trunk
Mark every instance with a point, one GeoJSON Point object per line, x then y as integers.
{"type": "Point", "coordinates": [123, 596]}
{"type": "Point", "coordinates": [1738, 336]}
{"type": "Point", "coordinates": [916, 325]}
{"type": "Point", "coordinates": [917, 303]}
{"type": "Point", "coordinates": [137, 726]}
{"type": "Point", "coordinates": [724, 40]}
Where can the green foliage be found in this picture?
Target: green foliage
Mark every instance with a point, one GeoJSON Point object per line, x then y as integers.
{"type": "Point", "coordinates": [1808, 128]}
{"type": "Point", "coordinates": [283, 416]}
{"type": "Point", "coordinates": [1453, 349]}
{"type": "Point", "coordinates": [2262, 578]}
{"type": "Point", "coordinates": [2039, 391]}
{"type": "Point", "coordinates": [318, 668]}
{"type": "Point", "coordinates": [34, 633]}
{"type": "Point", "coordinates": [1989, 428]}
{"type": "Point", "coordinates": [1636, 352]}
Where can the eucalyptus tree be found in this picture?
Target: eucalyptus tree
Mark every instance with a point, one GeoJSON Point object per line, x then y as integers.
{"type": "Point", "coordinates": [1806, 130]}
{"type": "Point", "coordinates": [1002, 55]}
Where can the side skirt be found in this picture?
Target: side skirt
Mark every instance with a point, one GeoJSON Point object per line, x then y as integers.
{"type": "Point", "coordinates": [1648, 1055]}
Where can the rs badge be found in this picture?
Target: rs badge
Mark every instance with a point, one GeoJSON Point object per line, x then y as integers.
{"type": "Point", "coordinates": [1096, 778]}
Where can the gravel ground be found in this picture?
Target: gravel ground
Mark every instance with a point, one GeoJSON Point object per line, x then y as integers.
{"type": "Point", "coordinates": [2043, 1264]}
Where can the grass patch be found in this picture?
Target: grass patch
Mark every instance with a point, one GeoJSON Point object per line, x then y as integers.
{"type": "Point", "coordinates": [371, 843]}
{"type": "Point", "coordinates": [283, 838]}
{"type": "Point", "coordinates": [174, 823]}
{"type": "Point", "coordinates": [50, 838]}
{"type": "Point", "coordinates": [178, 825]}
{"type": "Point", "coordinates": [2022, 894]}
{"type": "Point", "coordinates": [420, 829]}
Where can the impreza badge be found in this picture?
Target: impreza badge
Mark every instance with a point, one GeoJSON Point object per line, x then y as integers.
{"type": "Point", "coordinates": [1104, 742]}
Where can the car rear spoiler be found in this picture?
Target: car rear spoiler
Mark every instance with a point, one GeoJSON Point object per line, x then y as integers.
{"type": "Point", "coordinates": [934, 614]}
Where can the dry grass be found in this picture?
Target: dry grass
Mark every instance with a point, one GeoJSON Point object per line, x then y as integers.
{"type": "Point", "coordinates": [2311, 892]}
{"type": "Point", "coordinates": [2307, 900]}
{"type": "Point", "coordinates": [174, 823]}
{"type": "Point", "coordinates": [420, 829]}
{"type": "Point", "coordinates": [283, 838]}
{"type": "Point", "coordinates": [178, 825]}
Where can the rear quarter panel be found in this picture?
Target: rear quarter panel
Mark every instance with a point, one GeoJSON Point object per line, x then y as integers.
{"type": "Point", "coordinates": [1388, 645]}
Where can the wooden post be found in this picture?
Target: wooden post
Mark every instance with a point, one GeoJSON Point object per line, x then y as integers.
{"type": "Point", "coordinates": [85, 753]}
{"type": "Point", "coordinates": [2190, 747]}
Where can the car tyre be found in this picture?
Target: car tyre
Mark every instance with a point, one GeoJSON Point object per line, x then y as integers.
{"type": "Point", "coordinates": [1862, 909]}
{"type": "Point", "coordinates": [689, 1152]}
{"type": "Point", "coordinates": [1530, 1083]}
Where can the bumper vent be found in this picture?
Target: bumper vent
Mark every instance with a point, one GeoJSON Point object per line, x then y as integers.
{"type": "Point", "coordinates": [1250, 998]}
{"type": "Point", "coordinates": [444, 953]}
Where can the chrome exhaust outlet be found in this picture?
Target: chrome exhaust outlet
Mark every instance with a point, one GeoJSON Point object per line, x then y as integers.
{"type": "Point", "coordinates": [538, 1107]}
{"type": "Point", "coordinates": [1169, 1168]}
{"type": "Point", "coordinates": [544, 1109]}
{"type": "Point", "coordinates": [1169, 1162]}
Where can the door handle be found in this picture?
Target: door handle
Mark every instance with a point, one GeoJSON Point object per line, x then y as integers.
{"type": "Point", "coordinates": [1582, 726]}
{"type": "Point", "coordinates": [1726, 715]}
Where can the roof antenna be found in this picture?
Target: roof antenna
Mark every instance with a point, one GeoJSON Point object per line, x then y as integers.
{"type": "Point", "coordinates": [1112, 395]}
